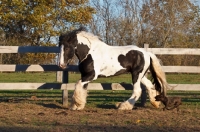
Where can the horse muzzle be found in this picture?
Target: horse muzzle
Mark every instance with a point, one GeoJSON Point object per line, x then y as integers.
{"type": "Point", "coordinates": [62, 66]}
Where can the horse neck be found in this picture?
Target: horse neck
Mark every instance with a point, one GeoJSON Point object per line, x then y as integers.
{"type": "Point", "coordinates": [98, 45]}
{"type": "Point", "coordinates": [85, 44]}
{"type": "Point", "coordinates": [81, 51]}
{"type": "Point", "coordinates": [89, 40]}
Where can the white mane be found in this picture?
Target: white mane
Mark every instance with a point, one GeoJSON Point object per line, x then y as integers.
{"type": "Point", "coordinates": [87, 38]}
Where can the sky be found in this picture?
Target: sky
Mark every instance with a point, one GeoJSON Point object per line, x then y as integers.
{"type": "Point", "coordinates": [196, 2]}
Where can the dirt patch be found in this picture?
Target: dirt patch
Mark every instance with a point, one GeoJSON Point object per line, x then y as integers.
{"type": "Point", "coordinates": [53, 117]}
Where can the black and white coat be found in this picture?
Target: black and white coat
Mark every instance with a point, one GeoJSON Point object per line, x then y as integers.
{"type": "Point", "coordinates": [99, 59]}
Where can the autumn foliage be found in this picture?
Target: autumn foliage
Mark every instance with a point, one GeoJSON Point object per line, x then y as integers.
{"type": "Point", "coordinates": [39, 22]}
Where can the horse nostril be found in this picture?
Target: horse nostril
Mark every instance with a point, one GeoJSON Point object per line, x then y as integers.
{"type": "Point", "coordinates": [62, 66]}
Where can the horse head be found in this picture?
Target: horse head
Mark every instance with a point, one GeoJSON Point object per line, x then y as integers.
{"type": "Point", "coordinates": [71, 44]}
{"type": "Point", "coordinates": [67, 50]}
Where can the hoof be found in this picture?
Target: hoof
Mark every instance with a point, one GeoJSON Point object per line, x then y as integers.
{"type": "Point", "coordinates": [73, 107]}
{"type": "Point", "coordinates": [117, 104]}
{"type": "Point", "coordinates": [125, 106]}
{"type": "Point", "coordinates": [156, 104]}
{"type": "Point", "coordinates": [76, 108]}
{"type": "Point", "coordinates": [80, 107]}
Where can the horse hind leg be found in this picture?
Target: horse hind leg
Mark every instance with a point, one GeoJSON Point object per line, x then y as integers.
{"type": "Point", "coordinates": [129, 104]}
{"type": "Point", "coordinates": [151, 91]}
{"type": "Point", "coordinates": [79, 97]}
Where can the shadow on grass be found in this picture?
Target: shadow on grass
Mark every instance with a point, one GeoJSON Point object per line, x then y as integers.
{"type": "Point", "coordinates": [106, 106]}
{"type": "Point", "coordinates": [51, 105]}
{"type": "Point", "coordinates": [112, 106]}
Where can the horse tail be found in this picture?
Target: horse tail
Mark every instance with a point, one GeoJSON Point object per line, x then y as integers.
{"type": "Point", "coordinates": [158, 75]}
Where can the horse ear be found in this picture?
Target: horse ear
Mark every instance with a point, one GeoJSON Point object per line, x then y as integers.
{"type": "Point", "coordinates": [61, 36]}
{"type": "Point", "coordinates": [82, 28]}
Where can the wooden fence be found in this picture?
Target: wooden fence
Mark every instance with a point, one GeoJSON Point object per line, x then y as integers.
{"type": "Point", "coordinates": [62, 77]}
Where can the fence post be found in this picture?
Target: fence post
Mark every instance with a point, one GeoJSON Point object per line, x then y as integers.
{"type": "Point", "coordinates": [146, 46]}
{"type": "Point", "coordinates": [65, 91]}
{"type": "Point", "coordinates": [1, 60]}
{"type": "Point", "coordinates": [59, 76]}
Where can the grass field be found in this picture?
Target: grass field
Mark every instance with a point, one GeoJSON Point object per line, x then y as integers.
{"type": "Point", "coordinates": [95, 97]}
{"type": "Point", "coordinates": [51, 77]}
{"type": "Point", "coordinates": [105, 98]}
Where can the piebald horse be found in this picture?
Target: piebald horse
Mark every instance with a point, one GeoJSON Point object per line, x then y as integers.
{"type": "Point", "coordinates": [96, 58]}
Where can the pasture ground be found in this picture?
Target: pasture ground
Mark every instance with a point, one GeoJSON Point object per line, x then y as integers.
{"type": "Point", "coordinates": [42, 111]}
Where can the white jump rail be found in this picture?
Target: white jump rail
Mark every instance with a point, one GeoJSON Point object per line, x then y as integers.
{"type": "Point", "coordinates": [63, 78]}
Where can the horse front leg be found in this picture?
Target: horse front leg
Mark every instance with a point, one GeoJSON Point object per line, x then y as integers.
{"type": "Point", "coordinates": [79, 96]}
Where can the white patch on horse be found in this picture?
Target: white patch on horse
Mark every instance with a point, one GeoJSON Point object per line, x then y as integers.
{"type": "Point", "coordinates": [151, 91]}
{"type": "Point", "coordinates": [105, 57]}
{"type": "Point", "coordinates": [79, 96]}
{"type": "Point", "coordinates": [61, 56]}
{"type": "Point", "coordinates": [106, 62]}
{"type": "Point", "coordinates": [86, 38]}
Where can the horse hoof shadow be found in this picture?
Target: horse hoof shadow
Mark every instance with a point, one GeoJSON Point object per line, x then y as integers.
{"type": "Point", "coordinates": [53, 106]}
{"type": "Point", "coordinates": [106, 106]}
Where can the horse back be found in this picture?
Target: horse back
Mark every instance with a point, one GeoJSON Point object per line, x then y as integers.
{"type": "Point", "coordinates": [115, 60]}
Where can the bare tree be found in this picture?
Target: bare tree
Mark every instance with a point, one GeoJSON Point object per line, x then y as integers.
{"type": "Point", "coordinates": [160, 23]}
{"type": "Point", "coordinates": [116, 21]}
{"type": "Point", "coordinates": [103, 20]}
{"type": "Point", "coordinates": [170, 21]}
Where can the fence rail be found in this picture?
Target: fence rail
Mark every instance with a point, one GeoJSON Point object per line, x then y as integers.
{"type": "Point", "coordinates": [36, 68]}
{"type": "Point", "coordinates": [63, 78]}
{"type": "Point", "coordinates": [91, 86]}
{"type": "Point", "coordinates": [174, 51]}
{"type": "Point", "coordinates": [44, 49]}
{"type": "Point", "coordinates": [28, 49]}
{"type": "Point", "coordinates": [74, 68]}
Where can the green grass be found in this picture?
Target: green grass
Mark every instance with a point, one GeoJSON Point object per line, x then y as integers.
{"type": "Point", "coordinates": [183, 78]}
{"type": "Point", "coordinates": [101, 98]}
{"type": "Point", "coordinates": [121, 78]}
{"type": "Point", "coordinates": [104, 98]}
{"type": "Point", "coordinates": [73, 77]}
{"type": "Point", "coordinates": [171, 78]}
{"type": "Point", "coordinates": [28, 77]}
